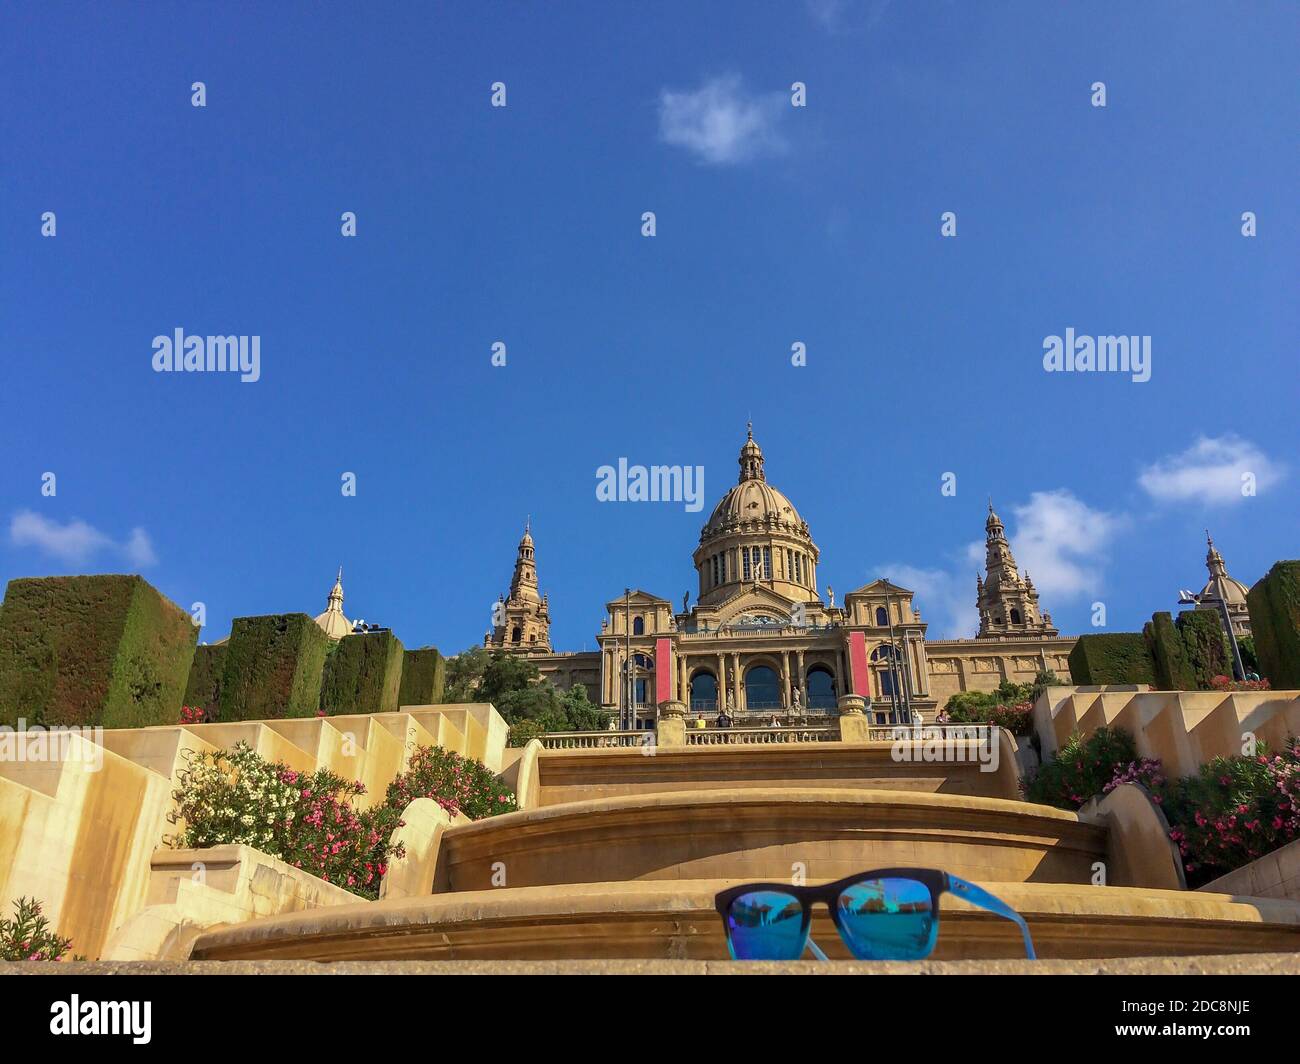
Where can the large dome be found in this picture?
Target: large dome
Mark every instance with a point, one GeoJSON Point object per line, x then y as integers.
{"type": "Point", "coordinates": [753, 505]}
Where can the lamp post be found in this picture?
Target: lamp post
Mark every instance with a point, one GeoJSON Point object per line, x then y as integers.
{"type": "Point", "coordinates": [1186, 598]}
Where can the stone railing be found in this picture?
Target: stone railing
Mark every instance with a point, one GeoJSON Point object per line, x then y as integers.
{"type": "Point", "coordinates": [595, 740]}
{"type": "Point", "coordinates": [816, 733]}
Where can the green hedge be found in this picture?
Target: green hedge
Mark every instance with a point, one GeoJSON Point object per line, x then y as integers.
{"type": "Point", "coordinates": [1205, 645]}
{"type": "Point", "coordinates": [1112, 657]}
{"type": "Point", "coordinates": [363, 674]}
{"type": "Point", "coordinates": [1274, 604]}
{"type": "Point", "coordinates": [273, 668]}
{"type": "Point", "coordinates": [1164, 643]}
{"type": "Point", "coordinates": [92, 650]}
{"type": "Point", "coordinates": [204, 687]}
{"type": "Point", "coordinates": [424, 678]}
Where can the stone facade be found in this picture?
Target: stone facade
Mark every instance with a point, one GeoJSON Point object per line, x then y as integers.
{"type": "Point", "coordinates": [761, 641]}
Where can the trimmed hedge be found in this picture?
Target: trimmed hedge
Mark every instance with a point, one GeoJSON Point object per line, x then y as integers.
{"type": "Point", "coordinates": [424, 678]}
{"type": "Point", "coordinates": [1274, 604]}
{"type": "Point", "coordinates": [92, 650]}
{"type": "Point", "coordinates": [1173, 672]}
{"type": "Point", "coordinates": [1205, 645]}
{"type": "Point", "coordinates": [363, 674]}
{"type": "Point", "coordinates": [273, 668]}
{"type": "Point", "coordinates": [1111, 657]}
{"type": "Point", "coordinates": [204, 687]}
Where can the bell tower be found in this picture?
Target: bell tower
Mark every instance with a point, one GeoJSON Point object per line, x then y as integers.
{"type": "Point", "coordinates": [1008, 603]}
{"type": "Point", "coordinates": [522, 621]}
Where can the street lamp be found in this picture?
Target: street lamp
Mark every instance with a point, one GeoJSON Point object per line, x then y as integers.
{"type": "Point", "coordinates": [1186, 598]}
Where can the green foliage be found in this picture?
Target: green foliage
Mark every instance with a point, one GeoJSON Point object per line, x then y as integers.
{"type": "Point", "coordinates": [274, 666]}
{"type": "Point", "coordinates": [1249, 659]}
{"type": "Point", "coordinates": [1173, 672]}
{"type": "Point", "coordinates": [1274, 604]}
{"type": "Point", "coordinates": [1234, 810]}
{"type": "Point", "coordinates": [204, 688]}
{"type": "Point", "coordinates": [424, 678]}
{"type": "Point", "coordinates": [1010, 706]}
{"type": "Point", "coordinates": [92, 650]}
{"type": "Point", "coordinates": [1205, 645]}
{"type": "Point", "coordinates": [363, 674]}
{"type": "Point", "coordinates": [1081, 768]}
{"type": "Point", "coordinates": [28, 936]}
{"type": "Point", "coordinates": [458, 784]}
{"type": "Point", "coordinates": [513, 685]}
{"type": "Point", "coordinates": [524, 732]}
{"type": "Point", "coordinates": [1111, 658]}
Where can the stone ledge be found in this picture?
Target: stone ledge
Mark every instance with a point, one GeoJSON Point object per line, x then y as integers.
{"type": "Point", "coordinates": [1229, 964]}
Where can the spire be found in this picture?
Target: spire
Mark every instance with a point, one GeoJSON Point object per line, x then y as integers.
{"type": "Point", "coordinates": [335, 601]}
{"type": "Point", "coordinates": [751, 459]}
{"type": "Point", "coordinates": [1213, 559]}
{"type": "Point", "coordinates": [332, 622]}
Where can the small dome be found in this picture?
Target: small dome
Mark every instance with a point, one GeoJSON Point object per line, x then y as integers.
{"type": "Point", "coordinates": [1220, 586]}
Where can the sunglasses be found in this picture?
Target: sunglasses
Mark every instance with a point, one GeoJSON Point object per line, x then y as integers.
{"type": "Point", "coordinates": [891, 914]}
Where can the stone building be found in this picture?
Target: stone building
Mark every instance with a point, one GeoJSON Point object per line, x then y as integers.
{"type": "Point", "coordinates": [1221, 588]}
{"type": "Point", "coordinates": [761, 641]}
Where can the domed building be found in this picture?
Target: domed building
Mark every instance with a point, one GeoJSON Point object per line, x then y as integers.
{"type": "Point", "coordinates": [1221, 588]}
{"type": "Point", "coordinates": [762, 642]}
{"type": "Point", "coordinates": [332, 622]}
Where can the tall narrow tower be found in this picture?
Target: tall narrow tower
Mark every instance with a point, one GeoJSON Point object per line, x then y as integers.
{"type": "Point", "coordinates": [1008, 603]}
{"type": "Point", "coordinates": [523, 620]}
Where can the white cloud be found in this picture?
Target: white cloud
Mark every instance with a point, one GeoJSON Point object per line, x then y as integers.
{"type": "Point", "coordinates": [946, 599]}
{"type": "Point", "coordinates": [76, 542]}
{"type": "Point", "coordinates": [1210, 471]}
{"type": "Point", "coordinates": [1059, 540]}
{"type": "Point", "coordinates": [1062, 543]}
{"type": "Point", "coordinates": [721, 122]}
{"type": "Point", "coordinates": [836, 15]}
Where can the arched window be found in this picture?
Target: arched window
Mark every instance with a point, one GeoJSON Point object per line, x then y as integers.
{"type": "Point", "coordinates": [1015, 616]}
{"type": "Point", "coordinates": [515, 634]}
{"type": "Point", "coordinates": [744, 558]}
{"type": "Point", "coordinates": [762, 688]}
{"type": "Point", "coordinates": [882, 617]}
{"type": "Point", "coordinates": [643, 665]}
{"type": "Point", "coordinates": [638, 626]}
{"type": "Point", "coordinates": [767, 563]}
{"type": "Point", "coordinates": [821, 688]}
{"type": "Point", "coordinates": [704, 690]}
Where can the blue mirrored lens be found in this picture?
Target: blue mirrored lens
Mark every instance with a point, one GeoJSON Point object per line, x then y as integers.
{"type": "Point", "coordinates": [887, 919]}
{"type": "Point", "coordinates": [765, 925]}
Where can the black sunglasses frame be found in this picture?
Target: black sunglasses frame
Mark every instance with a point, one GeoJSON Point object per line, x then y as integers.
{"type": "Point", "coordinates": [936, 881]}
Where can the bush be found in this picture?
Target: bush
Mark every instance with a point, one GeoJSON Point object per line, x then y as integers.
{"type": "Point", "coordinates": [1274, 604]}
{"type": "Point", "coordinates": [1082, 769]}
{"type": "Point", "coordinates": [28, 937]}
{"type": "Point", "coordinates": [1206, 646]}
{"type": "Point", "coordinates": [1164, 642]}
{"type": "Point", "coordinates": [204, 687]}
{"type": "Point", "coordinates": [92, 650]}
{"type": "Point", "coordinates": [458, 784]}
{"type": "Point", "coordinates": [524, 732]}
{"type": "Point", "coordinates": [273, 668]}
{"type": "Point", "coordinates": [1011, 706]}
{"type": "Point", "coordinates": [362, 674]}
{"type": "Point", "coordinates": [1234, 810]}
{"type": "Point", "coordinates": [424, 678]}
{"type": "Point", "coordinates": [1111, 658]}
{"type": "Point", "coordinates": [306, 820]}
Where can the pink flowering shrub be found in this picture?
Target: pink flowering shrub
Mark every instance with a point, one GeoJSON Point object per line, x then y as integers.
{"type": "Point", "coordinates": [458, 784]}
{"type": "Point", "coordinates": [311, 820]}
{"type": "Point", "coordinates": [1234, 810]}
{"type": "Point", "coordinates": [193, 715]}
{"type": "Point", "coordinates": [28, 937]}
{"type": "Point", "coordinates": [307, 820]}
{"type": "Point", "coordinates": [1227, 683]}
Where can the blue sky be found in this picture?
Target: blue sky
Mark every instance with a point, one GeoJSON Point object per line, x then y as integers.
{"type": "Point", "coordinates": [522, 224]}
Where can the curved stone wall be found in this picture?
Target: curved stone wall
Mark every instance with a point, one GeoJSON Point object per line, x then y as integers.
{"type": "Point", "coordinates": [822, 833]}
